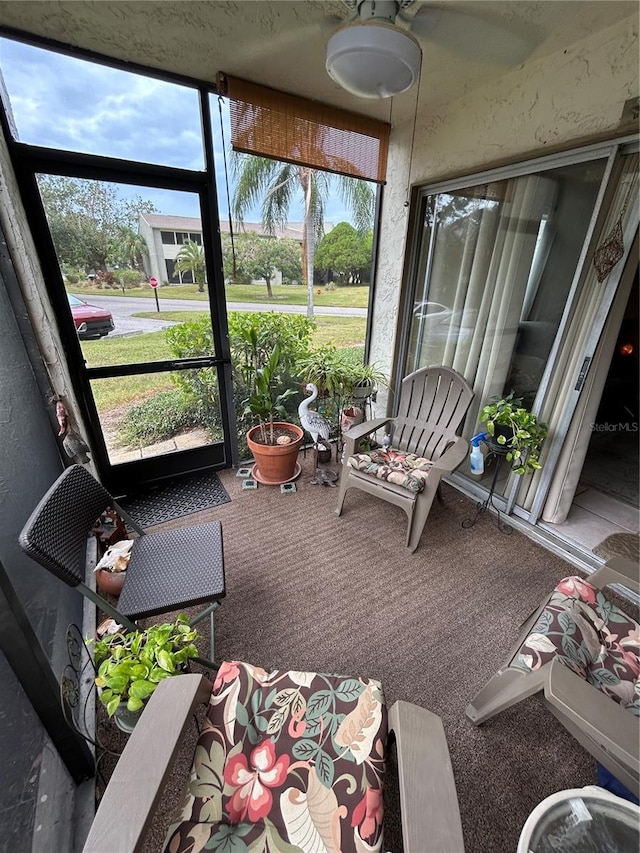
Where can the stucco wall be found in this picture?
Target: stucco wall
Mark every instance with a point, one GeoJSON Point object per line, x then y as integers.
{"type": "Point", "coordinates": [24, 257]}
{"type": "Point", "coordinates": [570, 96]}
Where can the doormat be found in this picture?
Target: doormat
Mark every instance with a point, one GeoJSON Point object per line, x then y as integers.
{"type": "Point", "coordinates": [619, 545]}
{"type": "Point", "coordinates": [176, 498]}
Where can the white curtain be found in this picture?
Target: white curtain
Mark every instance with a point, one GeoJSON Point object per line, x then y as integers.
{"type": "Point", "coordinates": [488, 289]}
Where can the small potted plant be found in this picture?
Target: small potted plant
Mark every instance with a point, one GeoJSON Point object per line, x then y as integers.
{"type": "Point", "coordinates": [516, 430]}
{"type": "Point", "coordinates": [113, 547]}
{"type": "Point", "coordinates": [111, 569]}
{"type": "Point", "coordinates": [363, 381]}
{"type": "Point", "coordinates": [130, 666]}
{"type": "Point", "coordinates": [273, 443]}
{"type": "Point", "coordinates": [327, 369]}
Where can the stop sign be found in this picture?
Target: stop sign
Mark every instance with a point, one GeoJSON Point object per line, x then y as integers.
{"type": "Point", "coordinates": [153, 282]}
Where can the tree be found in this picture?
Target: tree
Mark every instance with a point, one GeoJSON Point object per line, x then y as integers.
{"type": "Point", "coordinates": [261, 257]}
{"type": "Point", "coordinates": [288, 259]}
{"type": "Point", "coordinates": [87, 219]}
{"type": "Point", "coordinates": [273, 185]}
{"type": "Point", "coordinates": [345, 252]}
{"type": "Point", "coordinates": [127, 249]}
{"type": "Point", "coordinates": [190, 258]}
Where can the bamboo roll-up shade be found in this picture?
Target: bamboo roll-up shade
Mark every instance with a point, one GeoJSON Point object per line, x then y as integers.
{"type": "Point", "coordinates": [285, 127]}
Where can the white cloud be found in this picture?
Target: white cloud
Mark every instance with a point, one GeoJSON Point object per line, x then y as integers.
{"type": "Point", "coordinates": [73, 104]}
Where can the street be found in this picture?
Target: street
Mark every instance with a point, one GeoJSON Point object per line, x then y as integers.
{"type": "Point", "coordinates": [123, 308]}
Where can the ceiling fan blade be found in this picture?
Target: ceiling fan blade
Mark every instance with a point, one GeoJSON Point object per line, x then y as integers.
{"type": "Point", "coordinates": [479, 37]}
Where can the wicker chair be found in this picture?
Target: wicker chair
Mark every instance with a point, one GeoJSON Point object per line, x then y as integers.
{"type": "Point", "coordinates": [168, 571]}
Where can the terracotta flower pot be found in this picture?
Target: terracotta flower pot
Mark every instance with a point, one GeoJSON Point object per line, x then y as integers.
{"type": "Point", "coordinates": [351, 416]}
{"type": "Point", "coordinates": [110, 582]}
{"type": "Point", "coordinates": [275, 464]}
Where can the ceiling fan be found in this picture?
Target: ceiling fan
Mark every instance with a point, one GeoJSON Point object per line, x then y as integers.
{"type": "Point", "coordinates": [375, 52]}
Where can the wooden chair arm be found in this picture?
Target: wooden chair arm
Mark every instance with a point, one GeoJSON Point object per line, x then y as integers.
{"type": "Point", "coordinates": [453, 455]}
{"type": "Point", "coordinates": [352, 436]}
{"type": "Point", "coordinates": [360, 430]}
{"type": "Point", "coordinates": [596, 714]}
{"type": "Point", "coordinates": [134, 790]}
{"type": "Point", "coordinates": [428, 799]}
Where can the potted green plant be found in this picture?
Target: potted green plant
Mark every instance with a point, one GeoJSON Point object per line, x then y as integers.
{"type": "Point", "coordinates": [273, 443]}
{"type": "Point", "coordinates": [363, 380]}
{"type": "Point", "coordinates": [517, 430]}
{"type": "Point", "coordinates": [336, 374]}
{"type": "Point", "coordinates": [130, 666]}
{"type": "Point", "coordinates": [113, 546]}
{"type": "Point", "coordinates": [327, 369]}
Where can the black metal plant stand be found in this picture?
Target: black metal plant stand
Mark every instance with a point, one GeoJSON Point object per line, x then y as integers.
{"type": "Point", "coordinates": [77, 696]}
{"type": "Point", "coordinates": [499, 453]}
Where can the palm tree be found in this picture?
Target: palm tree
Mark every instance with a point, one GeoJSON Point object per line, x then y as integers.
{"type": "Point", "coordinates": [190, 258]}
{"type": "Point", "coordinates": [274, 184]}
{"type": "Point", "coordinates": [128, 248]}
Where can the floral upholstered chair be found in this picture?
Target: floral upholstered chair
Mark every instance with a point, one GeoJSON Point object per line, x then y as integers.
{"type": "Point", "coordinates": [286, 761]}
{"type": "Point", "coordinates": [583, 652]}
{"type": "Point", "coordinates": [424, 446]}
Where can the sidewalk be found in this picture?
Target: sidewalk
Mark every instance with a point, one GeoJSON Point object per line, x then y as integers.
{"type": "Point", "coordinates": [184, 441]}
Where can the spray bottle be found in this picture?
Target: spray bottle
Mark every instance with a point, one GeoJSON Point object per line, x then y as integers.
{"type": "Point", "coordinates": [476, 459]}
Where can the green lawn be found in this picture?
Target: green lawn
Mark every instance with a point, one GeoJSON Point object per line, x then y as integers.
{"type": "Point", "coordinates": [120, 391]}
{"type": "Point", "coordinates": [290, 294]}
{"type": "Point", "coordinates": [115, 393]}
{"type": "Point", "coordinates": [134, 349]}
{"type": "Point", "coordinates": [343, 331]}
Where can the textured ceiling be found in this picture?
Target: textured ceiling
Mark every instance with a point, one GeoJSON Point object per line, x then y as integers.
{"type": "Point", "coordinates": [282, 44]}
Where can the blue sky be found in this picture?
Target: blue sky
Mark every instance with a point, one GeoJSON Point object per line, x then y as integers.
{"type": "Point", "coordinates": [72, 104]}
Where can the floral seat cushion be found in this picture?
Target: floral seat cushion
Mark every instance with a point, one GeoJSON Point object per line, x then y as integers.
{"type": "Point", "coordinates": [403, 469]}
{"type": "Point", "coordinates": [286, 761]}
{"type": "Point", "coordinates": [590, 635]}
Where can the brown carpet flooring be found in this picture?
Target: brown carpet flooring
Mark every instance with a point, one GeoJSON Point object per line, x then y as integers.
{"type": "Point", "coordinates": [309, 590]}
{"type": "Point", "coordinates": [619, 545]}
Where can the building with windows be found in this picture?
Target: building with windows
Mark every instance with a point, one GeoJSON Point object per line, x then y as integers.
{"type": "Point", "coordinates": [164, 235]}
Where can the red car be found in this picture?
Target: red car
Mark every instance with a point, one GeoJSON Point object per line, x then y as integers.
{"type": "Point", "coordinates": [90, 322]}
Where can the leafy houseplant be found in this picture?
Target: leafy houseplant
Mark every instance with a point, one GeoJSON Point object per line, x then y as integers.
{"type": "Point", "coordinates": [130, 666]}
{"type": "Point", "coordinates": [335, 374]}
{"type": "Point", "coordinates": [363, 380]}
{"type": "Point", "coordinates": [518, 430]}
{"type": "Point", "coordinates": [265, 403]}
{"type": "Point", "coordinates": [327, 369]}
{"type": "Point", "coordinates": [273, 444]}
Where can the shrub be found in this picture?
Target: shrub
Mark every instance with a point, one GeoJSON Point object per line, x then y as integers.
{"type": "Point", "coordinates": [199, 387]}
{"type": "Point", "coordinates": [105, 278]}
{"type": "Point", "coordinates": [163, 416]}
{"type": "Point", "coordinates": [128, 278]}
{"type": "Point", "coordinates": [253, 336]}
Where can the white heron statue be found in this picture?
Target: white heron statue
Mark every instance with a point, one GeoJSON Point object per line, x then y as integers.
{"type": "Point", "coordinates": [318, 427]}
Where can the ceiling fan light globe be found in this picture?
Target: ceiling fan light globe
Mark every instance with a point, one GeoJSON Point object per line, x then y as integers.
{"type": "Point", "coordinates": [373, 60]}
